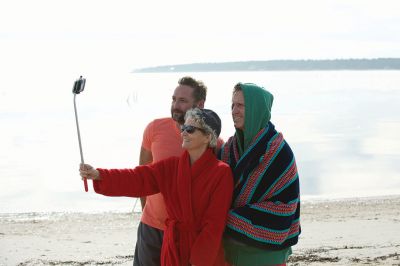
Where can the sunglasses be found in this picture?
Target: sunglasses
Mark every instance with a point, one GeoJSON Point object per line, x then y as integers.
{"type": "Point", "coordinates": [191, 129]}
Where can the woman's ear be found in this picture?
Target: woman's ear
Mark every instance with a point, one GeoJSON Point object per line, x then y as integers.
{"type": "Point", "coordinates": [209, 137]}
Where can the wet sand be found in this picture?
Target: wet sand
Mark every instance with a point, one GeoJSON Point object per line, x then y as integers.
{"type": "Point", "coordinates": [364, 231]}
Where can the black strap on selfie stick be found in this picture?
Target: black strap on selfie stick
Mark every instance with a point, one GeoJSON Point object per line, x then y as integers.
{"type": "Point", "coordinates": [79, 86]}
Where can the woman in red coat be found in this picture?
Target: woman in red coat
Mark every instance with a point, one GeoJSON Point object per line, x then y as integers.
{"type": "Point", "coordinates": [197, 189]}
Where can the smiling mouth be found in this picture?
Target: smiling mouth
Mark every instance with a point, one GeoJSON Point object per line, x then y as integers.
{"type": "Point", "coordinates": [177, 111]}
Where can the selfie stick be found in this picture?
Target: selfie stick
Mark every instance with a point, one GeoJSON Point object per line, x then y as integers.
{"type": "Point", "coordinates": [79, 86]}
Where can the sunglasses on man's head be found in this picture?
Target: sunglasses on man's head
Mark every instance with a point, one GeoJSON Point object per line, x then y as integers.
{"type": "Point", "coordinates": [190, 129]}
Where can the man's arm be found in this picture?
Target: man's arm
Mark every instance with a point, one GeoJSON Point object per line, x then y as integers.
{"type": "Point", "coordinates": [146, 157]}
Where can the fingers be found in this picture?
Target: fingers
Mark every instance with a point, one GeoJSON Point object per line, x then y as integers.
{"type": "Point", "coordinates": [83, 166]}
{"type": "Point", "coordinates": [88, 172]}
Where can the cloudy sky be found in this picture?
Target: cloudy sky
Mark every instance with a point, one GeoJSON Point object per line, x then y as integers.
{"type": "Point", "coordinates": [122, 35]}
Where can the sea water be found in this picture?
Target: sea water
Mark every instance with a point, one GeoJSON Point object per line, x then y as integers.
{"type": "Point", "coordinates": [343, 127]}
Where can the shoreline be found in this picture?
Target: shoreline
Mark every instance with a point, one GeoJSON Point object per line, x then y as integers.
{"type": "Point", "coordinates": [349, 231]}
{"type": "Point", "coordinates": [120, 208]}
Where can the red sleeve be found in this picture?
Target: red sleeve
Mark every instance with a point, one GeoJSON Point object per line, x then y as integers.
{"type": "Point", "coordinates": [141, 181]}
{"type": "Point", "coordinates": [207, 244]}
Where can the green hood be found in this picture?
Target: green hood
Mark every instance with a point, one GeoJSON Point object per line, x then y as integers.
{"type": "Point", "coordinates": [258, 104]}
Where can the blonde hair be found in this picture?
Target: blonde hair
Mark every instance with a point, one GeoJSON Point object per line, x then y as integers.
{"type": "Point", "coordinates": [195, 115]}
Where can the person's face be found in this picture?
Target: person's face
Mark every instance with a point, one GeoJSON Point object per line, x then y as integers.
{"type": "Point", "coordinates": [238, 109]}
{"type": "Point", "coordinates": [182, 100]}
{"type": "Point", "coordinates": [194, 137]}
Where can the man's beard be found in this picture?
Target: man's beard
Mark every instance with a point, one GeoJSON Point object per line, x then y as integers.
{"type": "Point", "coordinates": [178, 116]}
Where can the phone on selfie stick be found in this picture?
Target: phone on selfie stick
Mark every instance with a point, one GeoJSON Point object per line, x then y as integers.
{"type": "Point", "coordinates": [79, 86]}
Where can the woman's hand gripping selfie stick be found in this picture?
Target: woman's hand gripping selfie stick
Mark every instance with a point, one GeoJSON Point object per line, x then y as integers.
{"type": "Point", "coordinates": [79, 86]}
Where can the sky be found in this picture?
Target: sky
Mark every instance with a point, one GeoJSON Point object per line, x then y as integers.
{"type": "Point", "coordinates": [46, 44]}
{"type": "Point", "coordinates": [47, 36]}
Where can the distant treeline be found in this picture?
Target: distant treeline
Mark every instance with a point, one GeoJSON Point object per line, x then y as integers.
{"type": "Point", "coordinates": [282, 65]}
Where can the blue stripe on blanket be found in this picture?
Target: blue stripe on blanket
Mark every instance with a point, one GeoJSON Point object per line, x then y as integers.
{"type": "Point", "coordinates": [252, 146]}
{"type": "Point", "coordinates": [277, 213]}
{"type": "Point", "coordinates": [261, 176]}
{"type": "Point", "coordinates": [259, 227]}
{"type": "Point", "coordinates": [278, 179]}
{"type": "Point", "coordinates": [288, 184]}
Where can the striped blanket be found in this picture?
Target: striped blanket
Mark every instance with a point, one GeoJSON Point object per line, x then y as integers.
{"type": "Point", "coordinates": [265, 209]}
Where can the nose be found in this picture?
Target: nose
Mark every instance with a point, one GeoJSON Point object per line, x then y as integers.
{"type": "Point", "coordinates": [234, 109]}
{"type": "Point", "coordinates": [176, 105]}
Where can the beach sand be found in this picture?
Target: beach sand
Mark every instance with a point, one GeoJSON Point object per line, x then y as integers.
{"type": "Point", "coordinates": [362, 231]}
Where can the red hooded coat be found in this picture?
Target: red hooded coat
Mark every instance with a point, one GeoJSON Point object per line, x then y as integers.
{"type": "Point", "coordinates": [197, 198]}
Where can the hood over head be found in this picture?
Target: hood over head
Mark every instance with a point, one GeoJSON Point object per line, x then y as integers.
{"type": "Point", "coordinates": [258, 104]}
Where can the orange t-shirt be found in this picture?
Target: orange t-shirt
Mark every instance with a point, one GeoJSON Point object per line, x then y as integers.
{"type": "Point", "coordinates": [163, 138]}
